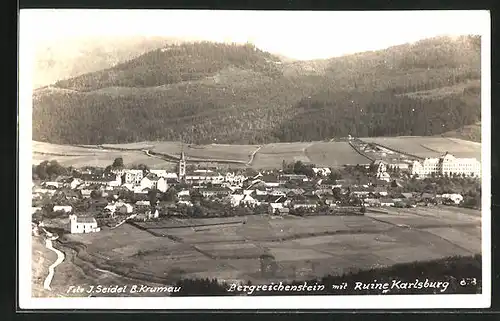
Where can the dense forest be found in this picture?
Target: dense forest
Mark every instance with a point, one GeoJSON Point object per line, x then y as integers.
{"type": "Point", "coordinates": [205, 92]}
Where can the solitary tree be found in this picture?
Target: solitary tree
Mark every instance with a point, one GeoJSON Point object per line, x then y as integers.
{"type": "Point", "coordinates": [152, 196]}
{"type": "Point", "coordinates": [118, 163]}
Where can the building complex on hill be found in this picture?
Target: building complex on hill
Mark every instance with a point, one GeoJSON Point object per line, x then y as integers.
{"type": "Point", "coordinates": [447, 165]}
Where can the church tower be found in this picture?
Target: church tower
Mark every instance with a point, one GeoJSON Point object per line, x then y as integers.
{"type": "Point", "coordinates": [182, 166]}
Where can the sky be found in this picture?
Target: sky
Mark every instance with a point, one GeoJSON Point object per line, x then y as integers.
{"type": "Point", "coordinates": [295, 34]}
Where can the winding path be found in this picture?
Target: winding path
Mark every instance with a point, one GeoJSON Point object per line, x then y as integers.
{"type": "Point", "coordinates": [60, 259]}
{"type": "Point", "coordinates": [252, 156]}
{"type": "Point", "coordinates": [123, 222]}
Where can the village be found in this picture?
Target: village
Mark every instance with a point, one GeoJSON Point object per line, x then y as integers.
{"type": "Point", "coordinates": [96, 198]}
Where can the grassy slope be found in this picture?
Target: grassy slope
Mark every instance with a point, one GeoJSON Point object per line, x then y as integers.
{"type": "Point", "coordinates": [237, 94]}
{"type": "Point", "coordinates": [41, 258]}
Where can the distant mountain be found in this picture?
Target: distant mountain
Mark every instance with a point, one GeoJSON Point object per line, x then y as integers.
{"type": "Point", "coordinates": [201, 92]}
{"type": "Point", "coordinates": [58, 60]}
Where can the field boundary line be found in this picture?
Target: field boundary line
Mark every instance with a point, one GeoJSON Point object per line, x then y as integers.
{"type": "Point", "coordinates": [252, 156]}
{"type": "Point", "coordinates": [360, 152]}
{"type": "Point", "coordinates": [396, 150]}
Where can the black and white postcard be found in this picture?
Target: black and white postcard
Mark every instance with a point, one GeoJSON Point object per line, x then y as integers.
{"type": "Point", "coordinates": [204, 159]}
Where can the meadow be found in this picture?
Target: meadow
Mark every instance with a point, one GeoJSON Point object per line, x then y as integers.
{"type": "Point", "coordinates": [269, 156]}
{"type": "Point", "coordinates": [334, 154]}
{"type": "Point", "coordinates": [429, 146]}
{"type": "Point", "coordinates": [302, 247]}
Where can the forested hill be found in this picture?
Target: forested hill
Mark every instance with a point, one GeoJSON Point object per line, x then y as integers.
{"type": "Point", "coordinates": [201, 92]}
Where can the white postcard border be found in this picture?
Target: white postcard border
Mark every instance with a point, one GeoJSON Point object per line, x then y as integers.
{"type": "Point", "coordinates": [451, 301]}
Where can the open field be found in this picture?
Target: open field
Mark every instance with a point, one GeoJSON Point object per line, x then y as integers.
{"type": "Point", "coordinates": [302, 247]}
{"type": "Point", "coordinates": [272, 155]}
{"type": "Point", "coordinates": [76, 157]}
{"type": "Point", "coordinates": [210, 152]}
{"type": "Point", "coordinates": [67, 150]}
{"type": "Point", "coordinates": [429, 146]}
{"type": "Point", "coordinates": [130, 146]}
{"type": "Point", "coordinates": [334, 154]}
{"type": "Point", "coordinates": [269, 156]}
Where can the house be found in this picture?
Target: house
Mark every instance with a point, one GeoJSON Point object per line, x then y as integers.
{"type": "Point", "coordinates": [380, 166]}
{"type": "Point", "coordinates": [162, 185]}
{"type": "Point", "coordinates": [184, 192]}
{"type": "Point", "coordinates": [260, 191]}
{"type": "Point", "coordinates": [400, 166]}
{"type": "Point", "coordinates": [304, 205]}
{"type": "Point", "coordinates": [386, 202]}
{"type": "Point", "coordinates": [118, 171]}
{"type": "Point", "coordinates": [90, 179]}
{"type": "Point", "coordinates": [83, 224]}
{"type": "Point", "coordinates": [278, 192]}
{"type": "Point", "coordinates": [214, 191]}
{"type": "Point", "coordinates": [383, 176]}
{"type": "Point", "coordinates": [86, 193]}
{"type": "Point", "coordinates": [270, 181]}
{"type": "Point", "coordinates": [283, 211]}
{"type": "Point", "coordinates": [143, 203]}
{"type": "Point", "coordinates": [455, 198]}
{"type": "Point", "coordinates": [242, 199]}
{"type": "Point", "coordinates": [273, 207]}
{"type": "Point", "coordinates": [124, 208]}
{"type": "Point", "coordinates": [371, 202]}
{"type": "Point", "coordinates": [325, 171]}
{"type": "Point", "coordinates": [380, 191]}
{"type": "Point", "coordinates": [172, 176]}
{"type": "Point", "coordinates": [248, 191]}
{"type": "Point", "coordinates": [205, 176]}
{"type": "Point", "coordinates": [330, 200]}
{"type": "Point", "coordinates": [54, 185]}
{"type": "Point", "coordinates": [133, 176]}
{"type": "Point", "coordinates": [152, 213]}
{"type": "Point", "coordinates": [293, 177]}
{"type": "Point", "coordinates": [62, 208]}
{"type": "Point", "coordinates": [360, 191]}
{"type": "Point", "coordinates": [149, 181]}
{"type": "Point", "coordinates": [234, 179]}
{"type": "Point", "coordinates": [323, 191]}
{"type": "Point", "coordinates": [110, 208]}
{"type": "Point", "coordinates": [185, 202]}
{"type": "Point", "coordinates": [301, 201]}
{"type": "Point", "coordinates": [75, 183]}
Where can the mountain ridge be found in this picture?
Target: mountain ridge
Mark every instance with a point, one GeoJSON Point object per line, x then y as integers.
{"type": "Point", "coordinates": [202, 92]}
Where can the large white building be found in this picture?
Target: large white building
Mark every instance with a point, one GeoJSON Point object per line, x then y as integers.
{"type": "Point", "coordinates": [83, 224]}
{"type": "Point", "coordinates": [447, 165]}
{"type": "Point", "coordinates": [133, 176]}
